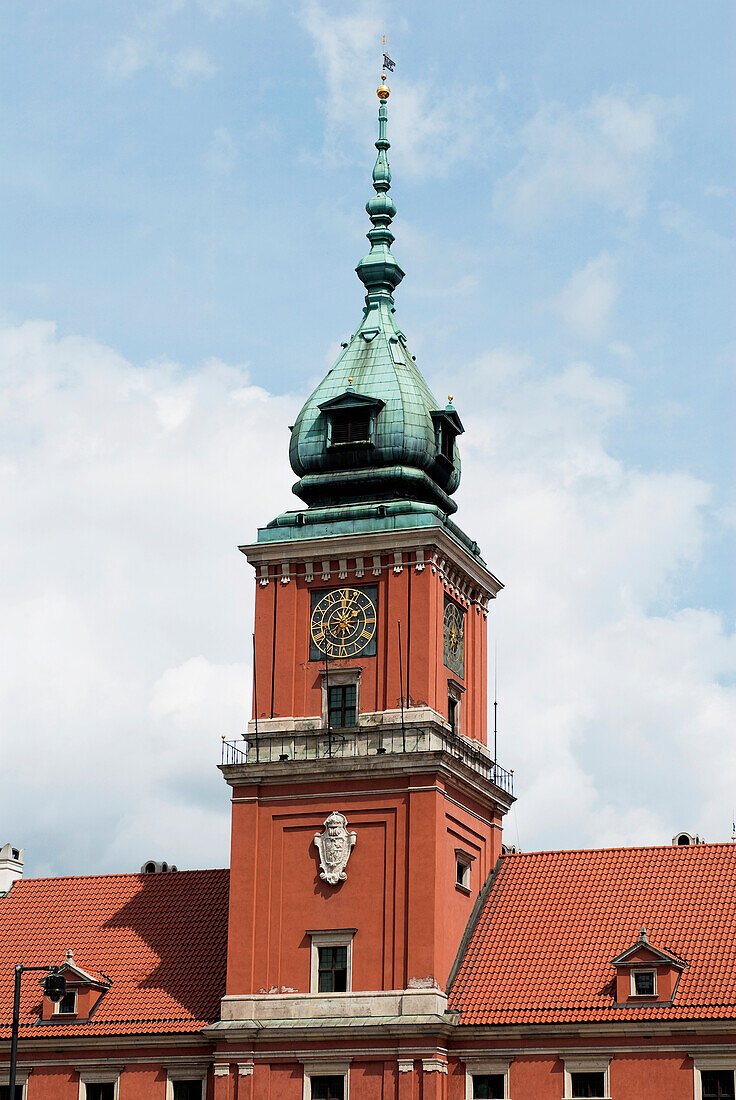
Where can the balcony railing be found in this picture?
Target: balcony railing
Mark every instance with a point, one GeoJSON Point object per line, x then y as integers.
{"type": "Point", "coordinates": [361, 742]}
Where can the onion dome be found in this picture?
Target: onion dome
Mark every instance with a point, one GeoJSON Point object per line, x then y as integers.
{"type": "Point", "coordinates": [372, 431]}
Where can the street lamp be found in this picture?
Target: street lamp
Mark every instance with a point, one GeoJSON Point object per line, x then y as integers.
{"type": "Point", "coordinates": [54, 987]}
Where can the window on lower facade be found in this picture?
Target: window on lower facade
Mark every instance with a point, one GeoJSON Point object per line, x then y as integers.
{"type": "Point", "coordinates": [333, 970]}
{"type": "Point", "coordinates": [328, 1088]}
{"type": "Point", "coordinates": [5, 1092]}
{"type": "Point", "coordinates": [588, 1084]}
{"type": "Point", "coordinates": [341, 706]}
{"type": "Point", "coordinates": [717, 1084]}
{"type": "Point", "coordinates": [488, 1086]}
{"type": "Point", "coordinates": [452, 712]}
{"type": "Point", "coordinates": [187, 1090]}
{"type": "Point", "coordinates": [99, 1090]}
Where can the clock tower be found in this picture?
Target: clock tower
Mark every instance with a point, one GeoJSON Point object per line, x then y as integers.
{"type": "Point", "coordinates": [367, 808]}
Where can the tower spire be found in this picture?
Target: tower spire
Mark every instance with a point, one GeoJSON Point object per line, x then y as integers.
{"type": "Point", "coordinates": [378, 271]}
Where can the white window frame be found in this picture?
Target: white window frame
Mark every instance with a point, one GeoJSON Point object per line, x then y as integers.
{"type": "Point", "coordinates": [57, 1005]}
{"type": "Point", "coordinates": [597, 1064]}
{"type": "Point", "coordinates": [340, 677]}
{"type": "Point", "coordinates": [710, 1061]}
{"type": "Point", "coordinates": [333, 937]}
{"type": "Point", "coordinates": [325, 1069]}
{"type": "Point", "coordinates": [99, 1075]}
{"type": "Point", "coordinates": [643, 970]}
{"type": "Point", "coordinates": [185, 1073]}
{"type": "Point", "coordinates": [21, 1078]}
{"type": "Point", "coordinates": [478, 1067]}
{"type": "Point", "coordinates": [466, 860]}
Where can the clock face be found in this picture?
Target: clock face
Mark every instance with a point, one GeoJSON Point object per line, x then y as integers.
{"type": "Point", "coordinates": [454, 637]}
{"type": "Point", "coordinates": [343, 623]}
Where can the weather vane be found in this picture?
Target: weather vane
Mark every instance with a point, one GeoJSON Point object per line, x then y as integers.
{"type": "Point", "coordinates": [384, 91]}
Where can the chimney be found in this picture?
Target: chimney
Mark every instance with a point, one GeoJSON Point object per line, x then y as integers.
{"type": "Point", "coordinates": [11, 867]}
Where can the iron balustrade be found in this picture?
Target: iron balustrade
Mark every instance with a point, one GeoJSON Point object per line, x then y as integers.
{"type": "Point", "coordinates": [364, 741]}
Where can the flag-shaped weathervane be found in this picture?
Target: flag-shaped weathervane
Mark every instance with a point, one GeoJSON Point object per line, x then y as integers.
{"type": "Point", "coordinates": [388, 63]}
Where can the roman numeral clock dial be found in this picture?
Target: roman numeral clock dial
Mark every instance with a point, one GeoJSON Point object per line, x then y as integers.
{"type": "Point", "coordinates": [454, 637]}
{"type": "Point", "coordinates": [343, 623]}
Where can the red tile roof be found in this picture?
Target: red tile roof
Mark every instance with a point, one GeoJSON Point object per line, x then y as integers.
{"type": "Point", "coordinates": [161, 939]}
{"type": "Point", "coordinates": [552, 922]}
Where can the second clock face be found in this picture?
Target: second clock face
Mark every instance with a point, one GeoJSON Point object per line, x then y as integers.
{"type": "Point", "coordinates": [343, 623]}
{"type": "Point", "coordinates": [454, 637]}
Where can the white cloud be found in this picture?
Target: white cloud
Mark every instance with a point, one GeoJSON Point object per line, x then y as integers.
{"type": "Point", "coordinates": [430, 131]}
{"type": "Point", "coordinates": [222, 152]}
{"type": "Point", "coordinates": [585, 303]}
{"type": "Point", "coordinates": [690, 226]}
{"type": "Point", "coordinates": [132, 55]}
{"type": "Point", "coordinates": [613, 711]}
{"type": "Point", "coordinates": [148, 45]}
{"type": "Point", "coordinates": [600, 153]}
{"type": "Point", "coordinates": [183, 66]}
{"type": "Point", "coordinates": [126, 611]}
{"type": "Point", "coordinates": [718, 191]}
{"type": "Point", "coordinates": [125, 625]}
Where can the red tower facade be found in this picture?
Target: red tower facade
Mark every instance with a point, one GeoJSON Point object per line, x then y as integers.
{"type": "Point", "coordinates": [424, 799]}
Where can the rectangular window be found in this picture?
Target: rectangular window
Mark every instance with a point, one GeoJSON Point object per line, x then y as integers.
{"type": "Point", "coordinates": [644, 985]}
{"type": "Point", "coordinates": [350, 427]}
{"type": "Point", "coordinates": [5, 1092]}
{"type": "Point", "coordinates": [487, 1086]}
{"type": "Point", "coordinates": [717, 1084]}
{"type": "Point", "coordinates": [187, 1090]}
{"type": "Point", "coordinates": [341, 706]}
{"type": "Point", "coordinates": [328, 1088]}
{"type": "Point", "coordinates": [99, 1090]}
{"type": "Point", "coordinates": [462, 872]}
{"type": "Point", "coordinates": [68, 1003]}
{"type": "Point", "coordinates": [452, 713]}
{"type": "Point", "coordinates": [333, 969]}
{"type": "Point", "coordinates": [588, 1084]}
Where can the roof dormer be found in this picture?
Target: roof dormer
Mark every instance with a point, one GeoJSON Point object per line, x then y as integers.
{"type": "Point", "coordinates": [351, 419]}
{"type": "Point", "coordinates": [646, 974]}
{"type": "Point", "coordinates": [84, 990]}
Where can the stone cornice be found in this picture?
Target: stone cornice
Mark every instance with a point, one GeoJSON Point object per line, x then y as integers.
{"type": "Point", "coordinates": [332, 557]}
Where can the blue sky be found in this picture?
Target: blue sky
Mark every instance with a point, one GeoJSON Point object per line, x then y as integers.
{"type": "Point", "coordinates": [182, 210]}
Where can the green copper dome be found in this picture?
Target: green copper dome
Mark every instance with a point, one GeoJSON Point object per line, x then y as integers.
{"type": "Point", "coordinates": [372, 431]}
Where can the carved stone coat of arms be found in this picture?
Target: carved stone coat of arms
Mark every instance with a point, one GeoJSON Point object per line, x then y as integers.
{"type": "Point", "coordinates": [334, 846]}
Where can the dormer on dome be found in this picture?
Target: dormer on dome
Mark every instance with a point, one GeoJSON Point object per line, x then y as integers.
{"type": "Point", "coordinates": [351, 422]}
{"type": "Point", "coordinates": [646, 974]}
{"type": "Point", "coordinates": [84, 991]}
{"type": "Point", "coordinates": [409, 457]}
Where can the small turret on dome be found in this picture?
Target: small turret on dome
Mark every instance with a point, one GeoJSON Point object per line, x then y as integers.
{"type": "Point", "coordinates": [371, 443]}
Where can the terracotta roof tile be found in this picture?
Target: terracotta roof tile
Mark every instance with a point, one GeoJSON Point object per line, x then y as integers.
{"type": "Point", "coordinates": [161, 939]}
{"type": "Point", "coordinates": [553, 921]}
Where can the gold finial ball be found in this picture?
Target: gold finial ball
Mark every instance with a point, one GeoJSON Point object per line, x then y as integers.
{"type": "Point", "coordinates": [449, 398]}
{"type": "Point", "coordinates": [383, 91]}
{"type": "Point", "coordinates": [350, 381]}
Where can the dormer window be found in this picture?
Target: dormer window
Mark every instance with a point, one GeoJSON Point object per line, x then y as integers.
{"type": "Point", "coordinates": [67, 1006]}
{"type": "Point", "coordinates": [350, 426]}
{"type": "Point", "coordinates": [83, 993]}
{"type": "Point", "coordinates": [643, 983]}
{"type": "Point", "coordinates": [646, 973]}
{"type": "Point", "coordinates": [351, 420]}
{"type": "Point", "coordinates": [447, 427]}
